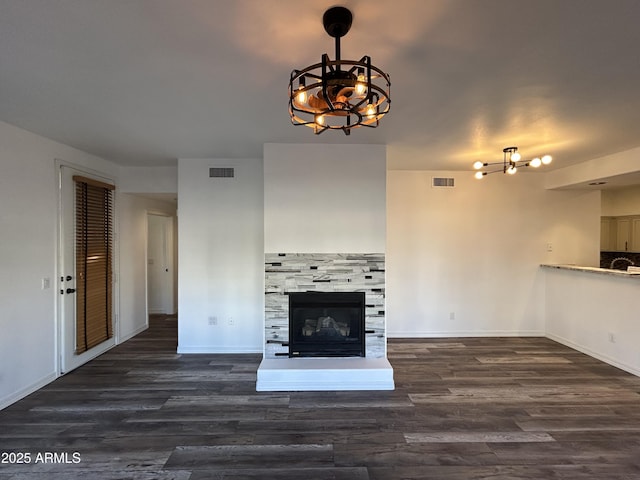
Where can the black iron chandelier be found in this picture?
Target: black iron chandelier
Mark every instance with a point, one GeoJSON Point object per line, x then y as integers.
{"type": "Point", "coordinates": [511, 161]}
{"type": "Point", "coordinates": [339, 94]}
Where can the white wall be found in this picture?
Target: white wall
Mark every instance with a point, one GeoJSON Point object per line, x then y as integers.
{"type": "Point", "coordinates": [221, 260]}
{"type": "Point", "coordinates": [28, 253]}
{"type": "Point", "coordinates": [473, 252]}
{"type": "Point", "coordinates": [623, 201]}
{"type": "Point", "coordinates": [29, 250]}
{"type": "Point", "coordinates": [583, 309]}
{"type": "Point", "coordinates": [132, 221]}
{"type": "Point", "coordinates": [324, 198]}
{"type": "Point", "coordinates": [149, 180]}
{"type": "Point", "coordinates": [620, 163]}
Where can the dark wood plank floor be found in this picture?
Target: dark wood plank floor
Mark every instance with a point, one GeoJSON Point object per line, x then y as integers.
{"type": "Point", "coordinates": [464, 409]}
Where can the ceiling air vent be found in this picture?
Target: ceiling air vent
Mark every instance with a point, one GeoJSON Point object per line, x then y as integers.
{"type": "Point", "coordinates": [221, 172]}
{"type": "Point", "coordinates": [442, 182]}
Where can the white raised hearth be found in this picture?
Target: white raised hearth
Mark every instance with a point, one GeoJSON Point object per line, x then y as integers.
{"type": "Point", "coordinates": [323, 374]}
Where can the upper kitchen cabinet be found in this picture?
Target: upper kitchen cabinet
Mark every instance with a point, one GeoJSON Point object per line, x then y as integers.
{"type": "Point", "coordinates": [620, 220]}
{"type": "Point", "coordinates": [635, 234]}
{"type": "Point", "coordinates": [620, 234]}
{"type": "Point", "coordinates": [607, 234]}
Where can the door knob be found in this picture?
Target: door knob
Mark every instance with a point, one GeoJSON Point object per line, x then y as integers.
{"type": "Point", "coordinates": [71, 290]}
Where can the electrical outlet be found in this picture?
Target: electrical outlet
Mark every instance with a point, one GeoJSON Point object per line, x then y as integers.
{"type": "Point", "coordinates": [231, 321]}
{"type": "Point", "coordinates": [549, 247]}
{"type": "Point", "coordinates": [213, 320]}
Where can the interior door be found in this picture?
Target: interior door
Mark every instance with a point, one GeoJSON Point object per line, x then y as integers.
{"type": "Point", "coordinates": [159, 264]}
{"type": "Point", "coordinates": [70, 357]}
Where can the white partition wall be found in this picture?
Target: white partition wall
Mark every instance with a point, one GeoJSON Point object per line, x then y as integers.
{"type": "Point", "coordinates": [325, 213]}
{"type": "Point", "coordinates": [221, 273]}
{"type": "Point", "coordinates": [596, 314]}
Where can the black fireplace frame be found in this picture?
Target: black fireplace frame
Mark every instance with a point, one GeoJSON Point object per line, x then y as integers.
{"type": "Point", "coordinates": [331, 301]}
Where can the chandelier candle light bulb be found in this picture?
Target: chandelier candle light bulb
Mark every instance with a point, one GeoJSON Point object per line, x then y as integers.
{"type": "Point", "coordinates": [511, 161]}
{"type": "Point", "coordinates": [361, 86]}
{"type": "Point", "coordinates": [302, 95]}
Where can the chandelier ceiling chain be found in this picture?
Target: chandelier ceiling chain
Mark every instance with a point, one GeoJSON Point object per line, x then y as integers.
{"type": "Point", "coordinates": [511, 161]}
{"type": "Point", "coordinates": [339, 94]}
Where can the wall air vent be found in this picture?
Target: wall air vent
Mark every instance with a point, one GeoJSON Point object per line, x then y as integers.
{"type": "Point", "coordinates": [442, 182]}
{"type": "Point", "coordinates": [221, 172]}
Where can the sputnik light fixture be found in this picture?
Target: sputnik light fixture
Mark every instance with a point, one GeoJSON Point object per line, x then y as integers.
{"type": "Point", "coordinates": [511, 161]}
{"type": "Point", "coordinates": [339, 94]}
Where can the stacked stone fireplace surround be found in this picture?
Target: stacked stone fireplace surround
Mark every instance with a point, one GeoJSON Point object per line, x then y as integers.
{"type": "Point", "coordinates": [323, 272]}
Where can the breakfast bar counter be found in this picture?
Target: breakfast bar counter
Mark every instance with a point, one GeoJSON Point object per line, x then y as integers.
{"type": "Point", "coordinates": [596, 270]}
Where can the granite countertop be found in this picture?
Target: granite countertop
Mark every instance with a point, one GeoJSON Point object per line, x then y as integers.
{"type": "Point", "coordinates": [601, 271]}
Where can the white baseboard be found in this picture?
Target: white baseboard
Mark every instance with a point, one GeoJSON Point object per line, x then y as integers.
{"type": "Point", "coordinates": [218, 349]}
{"type": "Point", "coordinates": [592, 353]}
{"type": "Point", "coordinates": [467, 333]}
{"type": "Point", "coordinates": [130, 335]}
{"type": "Point", "coordinates": [20, 394]}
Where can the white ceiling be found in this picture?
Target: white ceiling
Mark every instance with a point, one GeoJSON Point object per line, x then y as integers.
{"type": "Point", "coordinates": [143, 82]}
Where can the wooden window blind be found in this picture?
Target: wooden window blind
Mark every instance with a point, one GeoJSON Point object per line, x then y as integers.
{"type": "Point", "coordinates": [94, 262]}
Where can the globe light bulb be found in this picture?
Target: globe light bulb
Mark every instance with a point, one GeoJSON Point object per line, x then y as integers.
{"type": "Point", "coordinates": [478, 165]}
{"type": "Point", "coordinates": [479, 175]}
{"type": "Point", "coordinates": [320, 119]}
{"type": "Point", "coordinates": [535, 163]}
{"type": "Point", "coordinates": [515, 156]}
{"type": "Point", "coordinates": [547, 159]}
{"type": "Point", "coordinates": [511, 170]}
